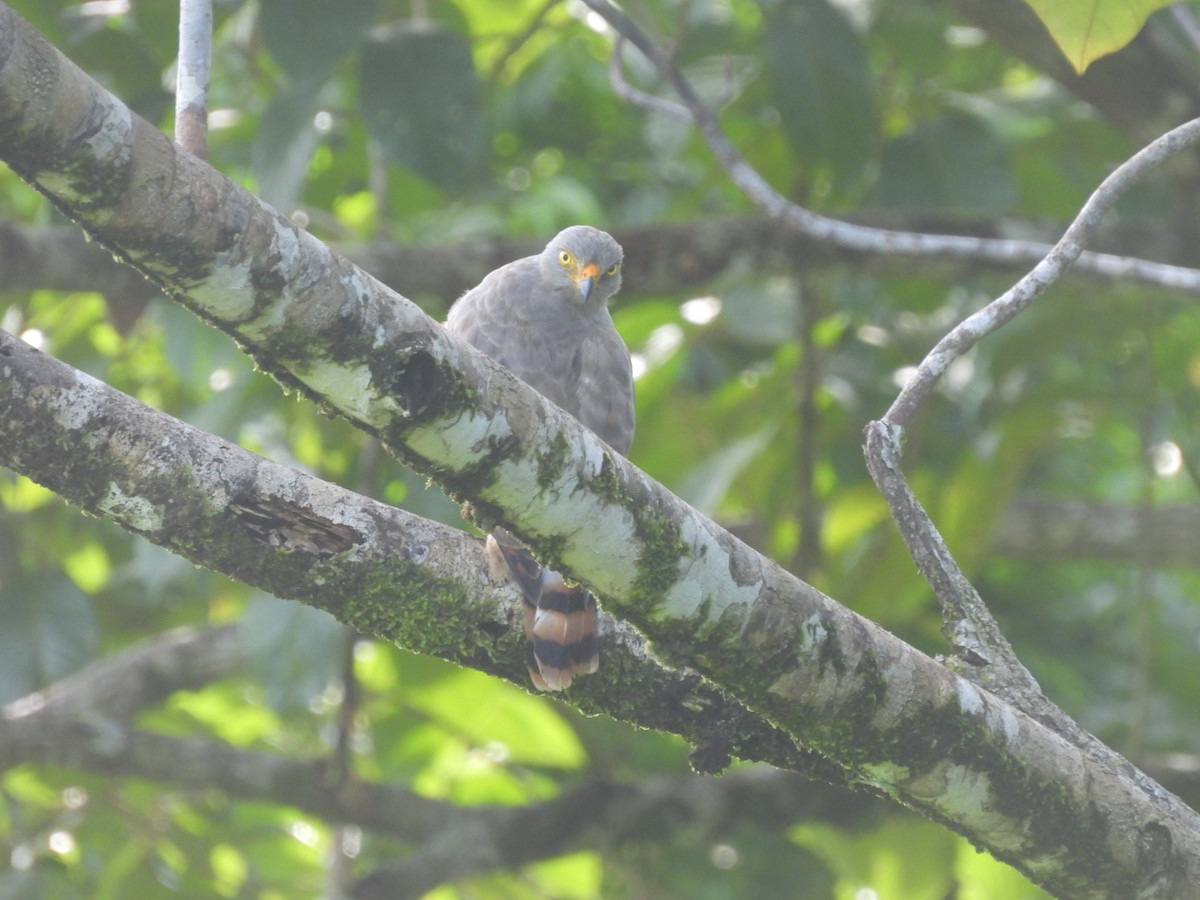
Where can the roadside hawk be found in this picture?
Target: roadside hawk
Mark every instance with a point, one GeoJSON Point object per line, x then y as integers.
{"type": "Point", "coordinates": [545, 318]}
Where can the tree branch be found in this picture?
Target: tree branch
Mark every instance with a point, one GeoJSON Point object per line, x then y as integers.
{"type": "Point", "coordinates": [616, 814]}
{"type": "Point", "coordinates": [120, 687]}
{"type": "Point", "coordinates": [1048, 270]}
{"type": "Point", "coordinates": [451, 841]}
{"type": "Point", "coordinates": [82, 722]}
{"type": "Point", "coordinates": [846, 234]}
{"type": "Point", "coordinates": [1040, 529]}
{"type": "Point", "coordinates": [405, 579]}
{"type": "Point", "coordinates": [969, 626]}
{"type": "Point", "coordinates": [664, 260]}
{"type": "Point", "coordinates": [967, 622]}
{"type": "Point", "coordinates": [192, 77]}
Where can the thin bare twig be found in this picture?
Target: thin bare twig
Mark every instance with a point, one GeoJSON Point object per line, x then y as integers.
{"type": "Point", "coordinates": [1048, 270]}
{"type": "Point", "coordinates": [192, 75]}
{"type": "Point", "coordinates": [637, 97]}
{"type": "Point", "coordinates": [861, 237]}
{"type": "Point", "coordinates": [967, 622]}
{"type": "Point", "coordinates": [1185, 18]}
{"type": "Point", "coordinates": [969, 626]}
{"type": "Point", "coordinates": [536, 24]}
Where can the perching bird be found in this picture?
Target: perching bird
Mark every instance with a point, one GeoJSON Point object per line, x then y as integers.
{"type": "Point", "coordinates": [545, 318]}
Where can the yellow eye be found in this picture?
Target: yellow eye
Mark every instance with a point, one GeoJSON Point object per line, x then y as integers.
{"type": "Point", "coordinates": [614, 269]}
{"type": "Point", "coordinates": [566, 257]}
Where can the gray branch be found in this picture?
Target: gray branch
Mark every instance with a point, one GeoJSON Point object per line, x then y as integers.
{"type": "Point", "coordinates": [83, 722]}
{"type": "Point", "coordinates": [969, 625]}
{"type": "Point", "coordinates": [192, 76]}
{"type": "Point", "coordinates": [663, 260]}
{"type": "Point", "coordinates": [1040, 529]}
{"type": "Point", "coordinates": [405, 579]}
{"type": "Point", "coordinates": [450, 841]}
{"type": "Point", "coordinates": [119, 688]}
{"type": "Point", "coordinates": [861, 237]}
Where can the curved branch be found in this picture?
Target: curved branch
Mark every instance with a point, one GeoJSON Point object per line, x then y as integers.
{"type": "Point", "coordinates": [666, 259]}
{"type": "Point", "coordinates": [119, 687]}
{"type": "Point", "coordinates": [1045, 529]}
{"type": "Point", "coordinates": [630, 94]}
{"type": "Point", "coordinates": [601, 814]}
{"type": "Point", "coordinates": [403, 578]}
{"type": "Point", "coordinates": [94, 743]}
{"type": "Point", "coordinates": [1047, 271]}
{"type": "Point", "coordinates": [82, 722]}
{"type": "Point", "coordinates": [968, 623]}
{"type": "Point", "coordinates": [451, 841]}
{"type": "Point", "coordinates": [860, 237]}
{"type": "Point", "coordinates": [969, 626]}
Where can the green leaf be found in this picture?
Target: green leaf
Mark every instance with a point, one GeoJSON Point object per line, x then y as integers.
{"type": "Point", "coordinates": [822, 87]}
{"type": "Point", "coordinates": [900, 858]}
{"type": "Point", "coordinates": [284, 146]}
{"type": "Point", "coordinates": [49, 631]}
{"type": "Point", "coordinates": [1085, 30]}
{"type": "Point", "coordinates": [308, 38]}
{"type": "Point", "coordinates": [295, 649]}
{"type": "Point", "coordinates": [484, 710]}
{"type": "Point", "coordinates": [706, 485]}
{"type": "Point", "coordinates": [420, 99]}
{"type": "Point", "coordinates": [949, 164]}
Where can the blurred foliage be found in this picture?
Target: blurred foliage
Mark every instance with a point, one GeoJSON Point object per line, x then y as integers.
{"type": "Point", "coordinates": [445, 121]}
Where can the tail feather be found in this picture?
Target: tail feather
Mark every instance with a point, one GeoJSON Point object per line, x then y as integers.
{"type": "Point", "coordinates": [560, 619]}
{"type": "Point", "coordinates": [522, 567]}
{"type": "Point", "coordinates": [562, 634]}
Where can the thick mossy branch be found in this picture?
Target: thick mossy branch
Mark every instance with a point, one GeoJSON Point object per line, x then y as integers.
{"type": "Point", "coordinates": [417, 583]}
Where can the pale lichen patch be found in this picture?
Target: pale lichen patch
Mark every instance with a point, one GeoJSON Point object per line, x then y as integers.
{"type": "Point", "coordinates": [967, 794]}
{"type": "Point", "coordinates": [459, 441]}
{"type": "Point", "coordinates": [227, 293]}
{"type": "Point", "coordinates": [970, 700]}
{"type": "Point", "coordinates": [132, 511]}
{"type": "Point", "coordinates": [609, 546]}
{"type": "Point", "coordinates": [288, 244]}
{"type": "Point", "coordinates": [74, 407]}
{"type": "Point", "coordinates": [704, 587]}
{"type": "Point", "coordinates": [348, 387]}
{"type": "Point", "coordinates": [901, 688]}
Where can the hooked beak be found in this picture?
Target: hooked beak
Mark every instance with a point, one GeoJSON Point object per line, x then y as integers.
{"type": "Point", "coordinates": [589, 275]}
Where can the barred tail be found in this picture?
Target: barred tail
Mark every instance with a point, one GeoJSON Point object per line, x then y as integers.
{"type": "Point", "coordinates": [560, 618]}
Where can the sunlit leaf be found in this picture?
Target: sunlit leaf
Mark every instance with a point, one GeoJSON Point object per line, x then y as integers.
{"type": "Point", "coordinates": [527, 728]}
{"type": "Point", "coordinates": [223, 710]}
{"type": "Point", "coordinates": [706, 485]}
{"type": "Point", "coordinates": [1086, 30]}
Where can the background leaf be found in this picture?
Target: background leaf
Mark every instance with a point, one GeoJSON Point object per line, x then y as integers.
{"type": "Point", "coordinates": [310, 38]}
{"type": "Point", "coordinates": [420, 98]}
{"type": "Point", "coordinates": [822, 88]}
